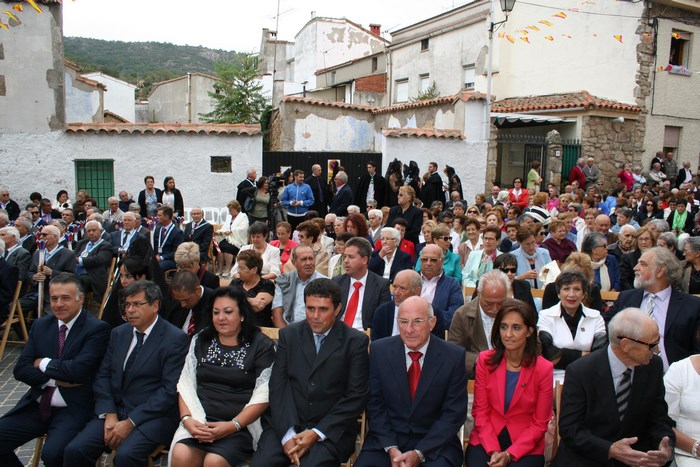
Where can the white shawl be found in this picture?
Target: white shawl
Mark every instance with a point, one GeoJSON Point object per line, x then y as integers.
{"type": "Point", "coordinates": [187, 389]}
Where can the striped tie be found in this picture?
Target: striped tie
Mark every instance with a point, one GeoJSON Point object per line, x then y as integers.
{"type": "Point", "coordinates": [649, 305]}
{"type": "Point", "coordinates": [623, 392]}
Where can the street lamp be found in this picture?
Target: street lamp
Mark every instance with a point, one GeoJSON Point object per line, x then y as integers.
{"type": "Point", "coordinates": [506, 6]}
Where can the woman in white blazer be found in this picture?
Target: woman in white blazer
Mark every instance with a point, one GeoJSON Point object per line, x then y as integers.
{"type": "Point", "coordinates": [569, 330]}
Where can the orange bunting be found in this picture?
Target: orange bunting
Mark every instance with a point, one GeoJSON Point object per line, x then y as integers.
{"type": "Point", "coordinates": [525, 39]}
{"type": "Point", "coordinates": [512, 41]}
{"type": "Point", "coordinates": [618, 37]}
{"type": "Point", "coordinates": [35, 6]}
{"type": "Point", "coordinates": [18, 7]}
{"type": "Point", "coordinates": [545, 22]}
{"type": "Point", "coordinates": [675, 35]}
{"type": "Point", "coordinates": [561, 14]}
{"type": "Point", "coordinates": [4, 26]}
{"type": "Point", "coordinates": [549, 38]}
{"type": "Point", "coordinates": [501, 35]}
{"type": "Point", "coordinates": [523, 32]}
{"type": "Point", "coordinates": [534, 28]}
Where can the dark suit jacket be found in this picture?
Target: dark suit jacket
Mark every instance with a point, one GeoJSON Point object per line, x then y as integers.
{"type": "Point", "coordinates": [467, 331]}
{"type": "Point", "coordinates": [432, 190]}
{"type": "Point", "coordinates": [589, 423]}
{"type": "Point", "coordinates": [172, 241]}
{"type": "Point", "coordinates": [9, 275]}
{"type": "Point", "coordinates": [448, 297]}
{"type": "Point", "coordinates": [363, 188]}
{"type": "Point", "coordinates": [82, 352]}
{"type": "Point", "coordinates": [627, 264]}
{"type": "Point", "coordinates": [341, 200]}
{"type": "Point", "coordinates": [149, 393]}
{"type": "Point", "coordinates": [376, 293]}
{"type": "Point", "coordinates": [431, 420]}
{"type": "Point", "coordinates": [682, 330]}
{"type": "Point", "coordinates": [30, 244]}
{"type": "Point", "coordinates": [307, 390]}
{"type": "Point", "coordinates": [321, 196]}
{"type": "Point", "coordinates": [12, 209]}
{"type": "Point", "coordinates": [414, 218]}
{"type": "Point", "coordinates": [401, 261]}
{"type": "Point", "coordinates": [202, 237]}
{"type": "Point", "coordinates": [62, 261]}
{"type": "Point", "coordinates": [242, 192]}
{"type": "Point", "coordinates": [96, 265]}
{"type": "Point", "coordinates": [202, 313]}
{"type": "Point", "coordinates": [115, 238]}
{"type": "Point", "coordinates": [22, 259]}
{"type": "Point", "coordinates": [178, 205]}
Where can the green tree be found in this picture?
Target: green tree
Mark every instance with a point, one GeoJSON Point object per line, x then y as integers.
{"type": "Point", "coordinates": [238, 95]}
{"type": "Point", "coordinates": [431, 93]}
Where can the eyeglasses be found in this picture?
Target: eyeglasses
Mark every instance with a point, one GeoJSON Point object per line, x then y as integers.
{"type": "Point", "coordinates": [542, 234]}
{"type": "Point", "coordinates": [512, 270]}
{"type": "Point", "coordinates": [651, 345]}
{"type": "Point", "coordinates": [489, 239]}
{"type": "Point", "coordinates": [391, 239]}
{"type": "Point", "coordinates": [482, 222]}
{"type": "Point", "coordinates": [415, 322]}
{"type": "Point", "coordinates": [447, 239]}
{"type": "Point", "coordinates": [128, 305]}
{"type": "Point", "coordinates": [472, 212]}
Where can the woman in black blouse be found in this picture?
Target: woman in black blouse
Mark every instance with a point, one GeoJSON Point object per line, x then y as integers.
{"type": "Point", "coordinates": [259, 291]}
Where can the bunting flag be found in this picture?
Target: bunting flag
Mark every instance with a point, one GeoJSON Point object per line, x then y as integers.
{"type": "Point", "coordinates": [534, 28]}
{"type": "Point", "coordinates": [4, 26]}
{"type": "Point", "coordinates": [566, 35]}
{"type": "Point", "coordinates": [525, 39]}
{"type": "Point", "coordinates": [523, 32]}
{"type": "Point", "coordinates": [18, 7]}
{"type": "Point", "coordinates": [501, 35]}
{"type": "Point", "coordinates": [35, 6]}
{"type": "Point", "coordinates": [545, 22]}
{"type": "Point", "coordinates": [618, 37]}
{"type": "Point", "coordinates": [512, 41]}
{"type": "Point", "coordinates": [549, 38]}
{"type": "Point", "coordinates": [12, 16]}
{"type": "Point", "coordinates": [675, 35]}
{"type": "Point", "coordinates": [561, 14]}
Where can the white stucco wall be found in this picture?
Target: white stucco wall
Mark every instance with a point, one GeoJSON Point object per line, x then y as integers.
{"type": "Point", "coordinates": [327, 42]}
{"type": "Point", "coordinates": [590, 59]}
{"type": "Point", "coordinates": [45, 163]}
{"type": "Point", "coordinates": [119, 97]}
{"type": "Point", "coordinates": [82, 106]}
{"type": "Point", "coordinates": [345, 133]}
{"type": "Point", "coordinates": [33, 66]}
{"type": "Point", "coordinates": [468, 158]}
{"type": "Point", "coordinates": [168, 102]}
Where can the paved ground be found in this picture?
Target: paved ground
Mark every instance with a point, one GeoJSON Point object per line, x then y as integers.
{"type": "Point", "coordinates": [10, 393]}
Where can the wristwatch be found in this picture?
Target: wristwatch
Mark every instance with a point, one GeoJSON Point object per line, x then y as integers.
{"type": "Point", "coordinates": [185, 418]}
{"type": "Point", "coordinates": [420, 456]}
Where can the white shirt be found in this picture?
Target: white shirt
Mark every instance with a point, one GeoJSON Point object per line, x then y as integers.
{"type": "Point", "coordinates": [617, 368]}
{"type": "Point", "coordinates": [429, 286]}
{"type": "Point", "coordinates": [395, 328]}
{"type": "Point", "coordinates": [388, 261]}
{"type": "Point", "coordinates": [57, 399]}
{"type": "Point", "coordinates": [487, 322]}
{"type": "Point", "coordinates": [422, 350]}
{"type": "Point", "coordinates": [147, 333]}
{"type": "Point", "coordinates": [661, 303]}
{"type": "Point", "coordinates": [357, 323]}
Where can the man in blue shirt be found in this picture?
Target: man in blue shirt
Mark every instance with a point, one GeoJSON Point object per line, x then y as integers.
{"type": "Point", "coordinates": [297, 198]}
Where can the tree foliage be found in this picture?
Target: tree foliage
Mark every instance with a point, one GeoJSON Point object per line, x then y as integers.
{"type": "Point", "coordinates": [238, 97]}
{"type": "Point", "coordinates": [431, 93]}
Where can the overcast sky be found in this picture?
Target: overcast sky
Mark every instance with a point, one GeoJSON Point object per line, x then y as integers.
{"type": "Point", "coordinates": [230, 24]}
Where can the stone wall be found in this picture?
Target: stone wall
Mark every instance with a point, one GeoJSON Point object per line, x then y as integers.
{"type": "Point", "coordinates": [611, 144]}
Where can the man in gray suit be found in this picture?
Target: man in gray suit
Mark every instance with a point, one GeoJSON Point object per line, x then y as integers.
{"type": "Point", "coordinates": [288, 303]}
{"type": "Point", "coordinates": [362, 291]}
{"type": "Point", "coordinates": [15, 255]}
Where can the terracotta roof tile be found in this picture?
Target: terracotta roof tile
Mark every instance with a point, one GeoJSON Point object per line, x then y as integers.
{"type": "Point", "coordinates": [425, 132]}
{"type": "Point", "coordinates": [571, 100]}
{"type": "Point", "coordinates": [175, 128]}
{"type": "Point", "coordinates": [463, 96]}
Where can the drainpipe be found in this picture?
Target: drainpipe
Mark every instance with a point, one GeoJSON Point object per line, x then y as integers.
{"type": "Point", "coordinates": [189, 98]}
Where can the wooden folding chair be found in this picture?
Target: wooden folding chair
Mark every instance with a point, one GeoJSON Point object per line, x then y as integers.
{"type": "Point", "coordinates": [108, 290]}
{"type": "Point", "coordinates": [38, 446]}
{"type": "Point", "coordinates": [15, 316]}
{"type": "Point", "coordinates": [272, 333]}
{"type": "Point", "coordinates": [537, 293]}
{"type": "Point", "coordinates": [558, 387]}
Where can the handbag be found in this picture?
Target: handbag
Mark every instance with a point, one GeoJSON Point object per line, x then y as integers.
{"type": "Point", "coordinates": [249, 204]}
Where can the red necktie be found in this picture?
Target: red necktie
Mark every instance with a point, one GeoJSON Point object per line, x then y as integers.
{"type": "Point", "coordinates": [190, 326]}
{"type": "Point", "coordinates": [351, 310]}
{"type": "Point", "coordinates": [414, 372]}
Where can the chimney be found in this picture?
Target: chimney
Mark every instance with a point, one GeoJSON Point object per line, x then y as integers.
{"type": "Point", "coordinates": [375, 29]}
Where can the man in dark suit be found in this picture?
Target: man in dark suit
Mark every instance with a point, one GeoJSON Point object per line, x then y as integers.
{"type": "Point", "coordinates": [432, 189]}
{"type": "Point", "coordinates": [442, 291]}
{"type": "Point", "coordinates": [36, 220]}
{"type": "Point", "coordinates": [370, 186]}
{"type": "Point", "coordinates": [48, 213]}
{"type": "Point", "coordinates": [391, 239]}
{"type": "Point", "coordinates": [26, 237]}
{"type": "Point", "coordinates": [244, 187]}
{"type": "Point", "coordinates": [472, 323]}
{"type": "Point", "coordinates": [9, 275]}
{"type": "Point", "coordinates": [319, 189]}
{"type": "Point", "coordinates": [135, 387]}
{"type": "Point", "coordinates": [415, 418]}
{"type": "Point", "coordinates": [166, 238]}
{"type": "Point", "coordinates": [191, 312]}
{"type": "Point", "coordinates": [362, 291]}
{"type": "Point", "coordinates": [677, 313]}
{"type": "Point", "coordinates": [58, 363]}
{"type": "Point", "coordinates": [406, 284]}
{"type": "Point", "coordinates": [8, 204]}
{"type": "Point", "coordinates": [55, 259]}
{"type": "Point", "coordinates": [613, 408]}
{"type": "Point", "coordinates": [122, 240]}
{"type": "Point", "coordinates": [93, 257]}
{"type": "Point", "coordinates": [314, 406]}
{"type": "Point", "coordinates": [342, 197]}
{"type": "Point", "coordinates": [199, 231]}
{"type": "Point", "coordinates": [15, 255]}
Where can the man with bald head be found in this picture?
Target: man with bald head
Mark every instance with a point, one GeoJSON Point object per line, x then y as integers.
{"type": "Point", "coordinates": [53, 259]}
{"type": "Point", "coordinates": [603, 225]}
{"type": "Point", "coordinates": [199, 231]}
{"type": "Point", "coordinates": [442, 291]}
{"type": "Point", "coordinates": [407, 283]}
{"type": "Point", "coordinates": [613, 409]}
{"type": "Point", "coordinates": [417, 399]}
{"type": "Point", "coordinates": [319, 188]}
{"type": "Point", "coordinates": [93, 256]}
{"type": "Point", "coordinates": [624, 244]}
